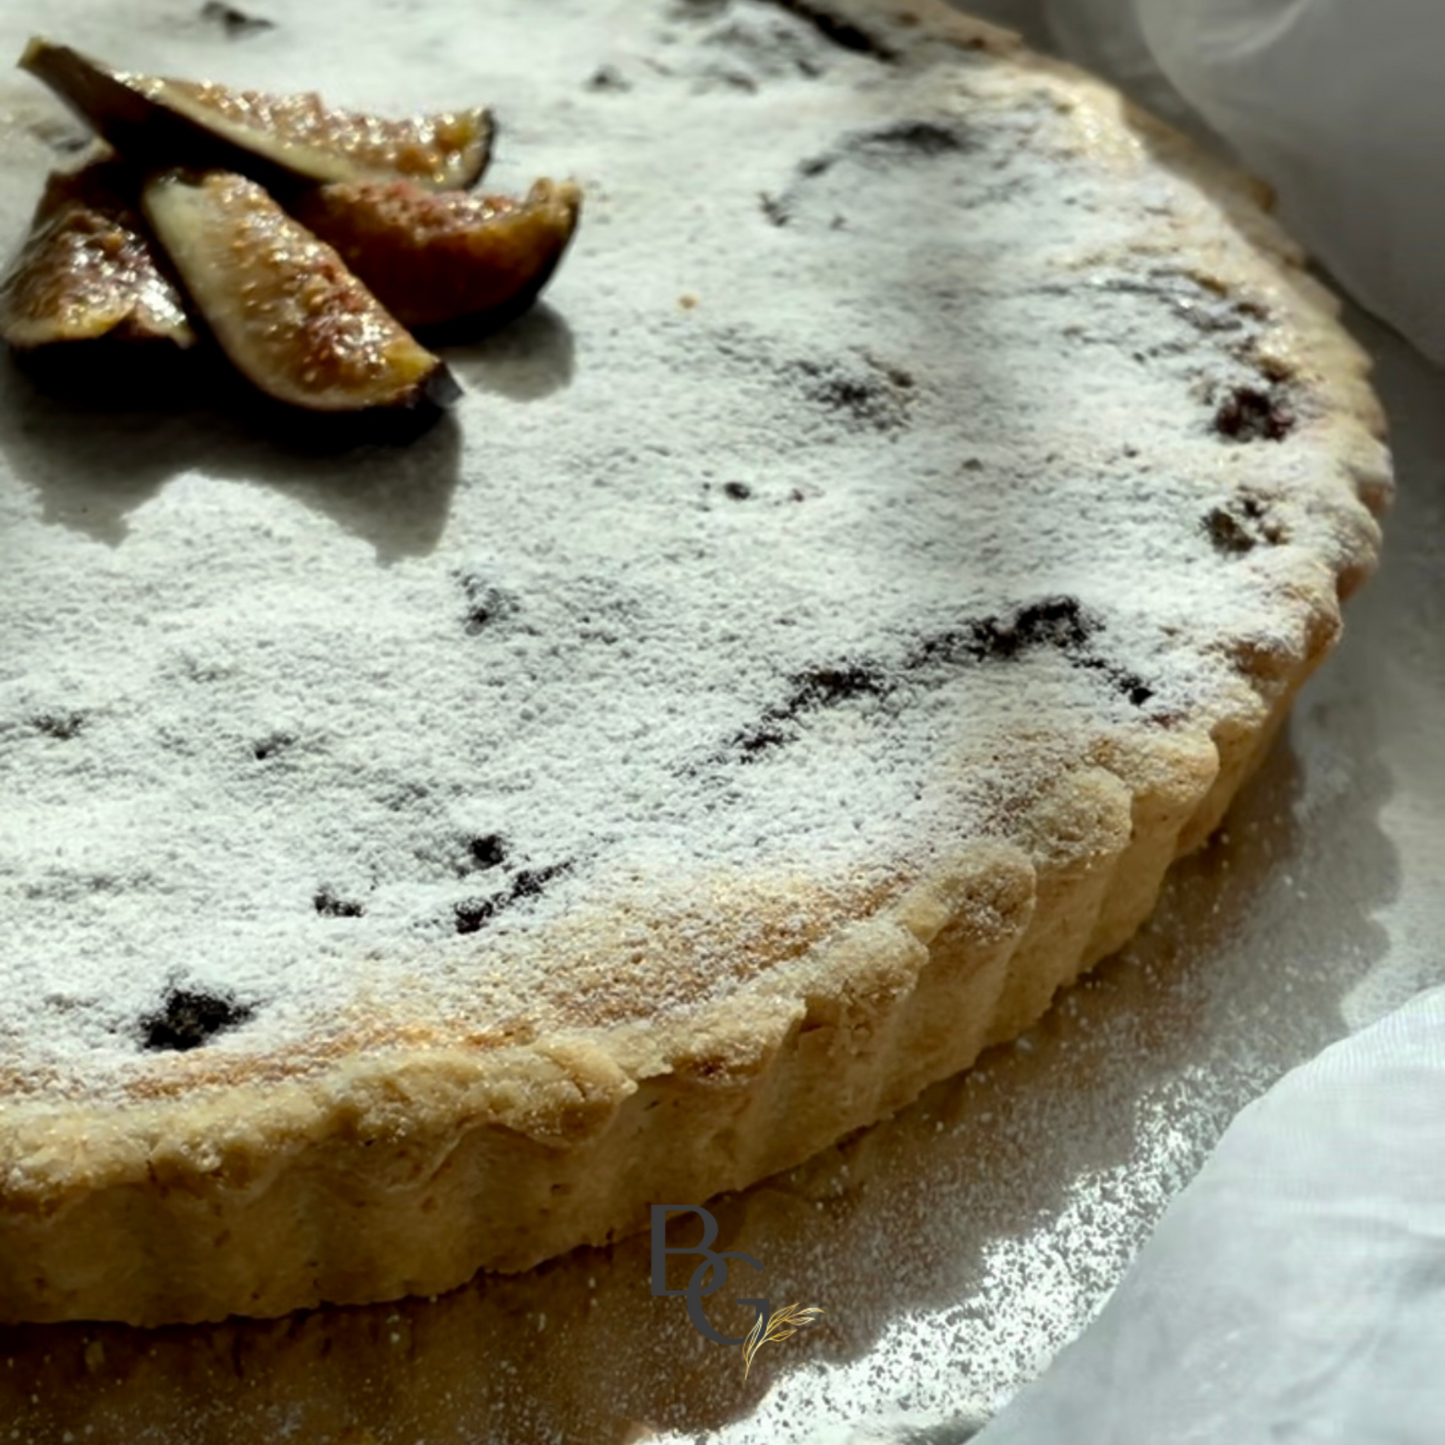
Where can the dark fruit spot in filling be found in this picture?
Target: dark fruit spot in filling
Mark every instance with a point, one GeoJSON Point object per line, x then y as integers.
{"type": "Point", "coordinates": [191, 1018]}
{"type": "Point", "coordinates": [1130, 684]}
{"type": "Point", "coordinates": [738, 491]}
{"type": "Point", "coordinates": [473, 914]}
{"type": "Point", "coordinates": [1248, 414]}
{"type": "Point", "coordinates": [529, 882]}
{"type": "Point", "coordinates": [488, 851]}
{"type": "Point", "coordinates": [269, 746]}
{"type": "Point", "coordinates": [236, 23]}
{"type": "Point", "coordinates": [842, 392]}
{"type": "Point", "coordinates": [866, 396]}
{"type": "Point", "coordinates": [62, 725]}
{"type": "Point", "coordinates": [607, 77]}
{"type": "Point", "coordinates": [1227, 532]}
{"type": "Point", "coordinates": [1060, 623]}
{"type": "Point", "coordinates": [774, 209]}
{"type": "Point", "coordinates": [331, 905]}
{"type": "Point", "coordinates": [486, 604]}
{"type": "Point", "coordinates": [1054, 622]}
{"type": "Point", "coordinates": [767, 734]}
{"type": "Point", "coordinates": [909, 138]}
{"type": "Point", "coordinates": [831, 685]}
{"type": "Point", "coordinates": [843, 33]}
{"type": "Point", "coordinates": [820, 688]}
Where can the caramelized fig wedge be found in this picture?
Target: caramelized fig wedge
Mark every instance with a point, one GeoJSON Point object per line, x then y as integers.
{"type": "Point", "coordinates": [282, 306]}
{"type": "Point", "coordinates": [87, 269]}
{"type": "Point", "coordinates": [446, 260]}
{"type": "Point", "coordinates": [283, 141]}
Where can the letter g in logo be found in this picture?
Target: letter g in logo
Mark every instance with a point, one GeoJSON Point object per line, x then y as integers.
{"type": "Point", "coordinates": [716, 1260]}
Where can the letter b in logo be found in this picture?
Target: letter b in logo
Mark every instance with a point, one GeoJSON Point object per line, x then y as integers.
{"type": "Point", "coordinates": [716, 1260]}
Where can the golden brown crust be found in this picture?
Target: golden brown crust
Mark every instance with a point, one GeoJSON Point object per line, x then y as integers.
{"type": "Point", "coordinates": [402, 1172]}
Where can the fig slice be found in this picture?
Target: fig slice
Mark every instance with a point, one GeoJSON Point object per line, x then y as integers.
{"type": "Point", "coordinates": [280, 303]}
{"type": "Point", "coordinates": [283, 141]}
{"type": "Point", "coordinates": [88, 270]}
{"type": "Point", "coordinates": [445, 259]}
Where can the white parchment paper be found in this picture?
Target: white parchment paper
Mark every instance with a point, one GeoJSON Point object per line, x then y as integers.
{"type": "Point", "coordinates": [1296, 1289]}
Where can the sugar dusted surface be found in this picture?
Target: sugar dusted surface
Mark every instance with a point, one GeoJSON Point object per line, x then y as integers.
{"type": "Point", "coordinates": [833, 368]}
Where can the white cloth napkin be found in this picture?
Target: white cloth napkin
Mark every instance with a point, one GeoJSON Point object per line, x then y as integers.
{"type": "Point", "coordinates": [1339, 104]}
{"type": "Point", "coordinates": [1295, 1291]}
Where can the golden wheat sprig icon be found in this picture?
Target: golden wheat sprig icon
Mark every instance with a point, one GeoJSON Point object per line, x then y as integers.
{"type": "Point", "coordinates": [780, 1324]}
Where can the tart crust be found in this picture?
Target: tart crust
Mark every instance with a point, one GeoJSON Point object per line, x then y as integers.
{"type": "Point", "coordinates": [404, 1170]}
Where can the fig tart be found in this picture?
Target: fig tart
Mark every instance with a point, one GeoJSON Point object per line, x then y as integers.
{"type": "Point", "coordinates": [822, 624]}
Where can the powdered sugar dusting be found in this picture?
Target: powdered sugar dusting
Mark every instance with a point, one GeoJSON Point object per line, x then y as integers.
{"type": "Point", "coordinates": [849, 370]}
